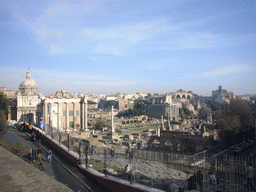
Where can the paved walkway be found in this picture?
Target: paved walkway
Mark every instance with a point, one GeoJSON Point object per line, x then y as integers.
{"type": "Point", "coordinates": [60, 169]}
{"type": "Point", "coordinates": [18, 175]}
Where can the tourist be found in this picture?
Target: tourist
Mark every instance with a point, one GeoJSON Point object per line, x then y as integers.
{"type": "Point", "coordinates": [39, 137]}
{"type": "Point", "coordinates": [30, 127]}
{"type": "Point", "coordinates": [49, 155]}
{"type": "Point", "coordinates": [39, 153]}
{"type": "Point", "coordinates": [30, 154]}
{"type": "Point", "coordinates": [34, 154]}
{"type": "Point", "coordinates": [112, 152]}
{"type": "Point", "coordinates": [249, 174]}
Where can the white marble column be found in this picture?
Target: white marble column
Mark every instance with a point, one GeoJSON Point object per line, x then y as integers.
{"type": "Point", "coordinates": [34, 117]}
{"type": "Point", "coordinates": [50, 114]}
{"type": "Point", "coordinates": [82, 115]}
{"type": "Point", "coordinates": [85, 116]}
{"type": "Point", "coordinates": [45, 115]}
{"type": "Point", "coordinates": [67, 116]}
{"type": "Point", "coordinates": [74, 114]}
{"type": "Point", "coordinates": [58, 121]}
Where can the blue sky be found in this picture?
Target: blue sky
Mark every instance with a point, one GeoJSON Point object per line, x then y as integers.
{"type": "Point", "coordinates": [128, 46]}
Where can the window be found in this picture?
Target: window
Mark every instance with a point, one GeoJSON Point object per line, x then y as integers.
{"type": "Point", "coordinates": [71, 124]}
{"type": "Point", "coordinates": [77, 113]}
{"type": "Point", "coordinates": [71, 113]}
{"type": "Point", "coordinates": [64, 113]}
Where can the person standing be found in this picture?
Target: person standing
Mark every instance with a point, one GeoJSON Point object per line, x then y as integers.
{"type": "Point", "coordinates": [30, 128]}
{"type": "Point", "coordinates": [30, 155]}
{"type": "Point", "coordinates": [34, 154]}
{"type": "Point", "coordinates": [249, 174]}
{"type": "Point", "coordinates": [49, 155]}
{"type": "Point", "coordinates": [39, 153]}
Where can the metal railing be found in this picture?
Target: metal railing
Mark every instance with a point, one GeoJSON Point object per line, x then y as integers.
{"type": "Point", "coordinates": [164, 170]}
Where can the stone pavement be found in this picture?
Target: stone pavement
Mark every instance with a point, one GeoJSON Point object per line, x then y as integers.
{"type": "Point", "coordinates": [18, 175]}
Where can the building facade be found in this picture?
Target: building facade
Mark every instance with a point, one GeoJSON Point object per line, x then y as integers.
{"type": "Point", "coordinates": [61, 111]}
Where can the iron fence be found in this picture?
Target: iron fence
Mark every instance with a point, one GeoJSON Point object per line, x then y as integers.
{"type": "Point", "coordinates": [167, 171]}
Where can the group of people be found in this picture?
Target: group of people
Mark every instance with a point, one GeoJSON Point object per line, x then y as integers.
{"type": "Point", "coordinates": [36, 136]}
{"type": "Point", "coordinates": [34, 154]}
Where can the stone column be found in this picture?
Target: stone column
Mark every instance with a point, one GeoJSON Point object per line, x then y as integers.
{"type": "Point", "coordinates": [50, 114]}
{"type": "Point", "coordinates": [74, 114]}
{"type": "Point", "coordinates": [58, 121]}
{"type": "Point", "coordinates": [67, 116]}
{"type": "Point", "coordinates": [85, 116]}
{"type": "Point", "coordinates": [82, 115]}
{"type": "Point", "coordinates": [35, 117]}
{"type": "Point", "coordinates": [45, 113]}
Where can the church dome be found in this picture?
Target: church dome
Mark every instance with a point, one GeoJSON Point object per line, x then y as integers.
{"type": "Point", "coordinates": [28, 85]}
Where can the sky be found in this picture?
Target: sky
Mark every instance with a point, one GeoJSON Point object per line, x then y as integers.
{"type": "Point", "coordinates": [129, 46]}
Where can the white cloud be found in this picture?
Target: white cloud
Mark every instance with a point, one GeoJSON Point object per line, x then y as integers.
{"type": "Point", "coordinates": [228, 70]}
{"type": "Point", "coordinates": [50, 81]}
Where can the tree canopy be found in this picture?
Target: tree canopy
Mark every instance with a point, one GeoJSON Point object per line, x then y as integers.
{"type": "Point", "coordinates": [110, 103]}
{"type": "Point", "coordinates": [213, 105]}
{"type": "Point", "coordinates": [101, 123]}
{"type": "Point", "coordinates": [3, 124]}
{"type": "Point", "coordinates": [4, 104]}
{"type": "Point", "coordinates": [236, 118]}
{"type": "Point", "coordinates": [91, 102]}
{"type": "Point", "coordinates": [138, 109]}
{"type": "Point", "coordinates": [204, 111]}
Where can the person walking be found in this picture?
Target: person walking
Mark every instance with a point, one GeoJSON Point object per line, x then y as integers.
{"type": "Point", "coordinates": [39, 153]}
{"type": "Point", "coordinates": [30, 155]}
{"type": "Point", "coordinates": [34, 154]}
{"type": "Point", "coordinates": [249, 174]}
{"type": "Point", "coordinates": [49, 155]}
{"type": "Point", "coordinates": [30, 127]}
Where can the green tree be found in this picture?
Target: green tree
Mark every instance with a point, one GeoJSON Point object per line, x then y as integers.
{"type": "Point", "coordinates": [91, 102]}
{"type": "Point", "coordinates": [110, 103]}
{"type": "Point", "coordinates": [187, 111]}
{"type": "Point", "coordinates": [138, 109]}
{"type": "Point", "coordinates": [204, 111]}
{"type": "Point", "coordinates": [213, 105]}
{"type": "Point", "coordinates": [100, 124]}
{"type": "Point", "coordinates": [4, 104]}
{"type": "Point", "coordinates": [3, 124]}
{"type": "Point", "coordinates": [243, 110]}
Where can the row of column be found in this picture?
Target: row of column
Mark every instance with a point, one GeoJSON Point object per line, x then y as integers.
{"type": "Point", "coordinates": [47, 115]}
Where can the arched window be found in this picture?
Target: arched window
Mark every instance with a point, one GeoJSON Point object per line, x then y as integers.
{"type": "Point", "coordinates": [168, 146]}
